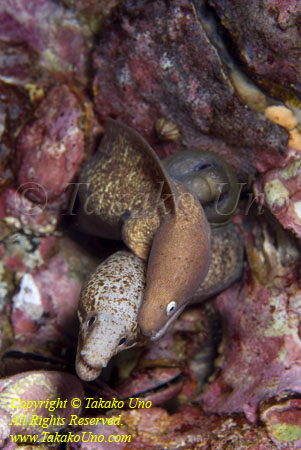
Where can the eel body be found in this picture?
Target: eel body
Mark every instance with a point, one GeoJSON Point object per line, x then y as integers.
{"type": "Point", "coordinates": [113, 294]}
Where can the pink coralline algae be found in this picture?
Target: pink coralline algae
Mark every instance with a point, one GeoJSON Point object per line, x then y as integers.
{"type": "Point", "coordinates": [19, 212]}
{"type": "Point", "coordinates": [280, 191]}
{"type": "Point", "coordinates": [38, 386]}
{"type": "Point", "coordinates": [283, 421]}
{"type": "Point", "coordinates": [50, 147]}
{"type": "Point", "coordinates": [189, 428]}
{"type": "Point", "coordinates": [261, 348]}
{"type": "Point", "coordinates": [41, 276]}
{"type": "Point", "coordinates": [43, 33]}
{"type": "Point", "coordinates": [50, 290]}
{"type": "Point", "coordinates": [44, 306]}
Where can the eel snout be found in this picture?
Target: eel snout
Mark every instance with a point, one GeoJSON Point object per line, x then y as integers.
{"type": "Point", "coordinates": [86, 369]}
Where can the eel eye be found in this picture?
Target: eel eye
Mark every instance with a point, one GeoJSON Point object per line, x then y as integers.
{"type": "Point", "coordinates": [171, 307]}
{"type": "Point", "coordinates": [91, 321]}
{"type": "Point", "coordinates": [122, 341]}
{"type": "Point", "coordinates": [202, 166]}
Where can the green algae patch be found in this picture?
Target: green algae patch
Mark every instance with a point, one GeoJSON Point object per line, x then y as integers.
{"type": "Point", "coordinates": [286, 432]}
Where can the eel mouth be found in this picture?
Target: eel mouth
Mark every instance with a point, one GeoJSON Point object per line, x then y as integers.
{"type": "Point", "coordinates": [85, 371]}
{"type": "Point", "coordinates": [157, 334]}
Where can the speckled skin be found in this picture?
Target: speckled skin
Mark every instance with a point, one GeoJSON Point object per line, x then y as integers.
{"type": "Point", "coordinates": [227, 255]}
{"type": "Point", "coordinates": [123, 183]}
{"type": "Point", "coordinates": [210, 178]}
{"type": "Point", "coordinates": [112, 295]}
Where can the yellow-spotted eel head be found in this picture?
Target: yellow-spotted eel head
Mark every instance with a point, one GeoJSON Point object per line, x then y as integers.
{"type": "Point", "coordinates": [108, 309]}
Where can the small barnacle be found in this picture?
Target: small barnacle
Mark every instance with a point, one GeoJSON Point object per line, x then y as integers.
{"type": "Point", "coordinates": [166, 130]}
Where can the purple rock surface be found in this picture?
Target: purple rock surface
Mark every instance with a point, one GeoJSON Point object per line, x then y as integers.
{"type": "Point", "coordinates": [66, 66]}
{"type": "Point", "coordinates": [267, 38]}
{"type": "Point", "coordinates": [172, 70]}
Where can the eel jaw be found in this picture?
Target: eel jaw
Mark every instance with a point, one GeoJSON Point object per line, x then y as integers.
{"type": "Point", "coordinates": [157, 334]}
{"type": "Point", "coordinates": [85, 371]}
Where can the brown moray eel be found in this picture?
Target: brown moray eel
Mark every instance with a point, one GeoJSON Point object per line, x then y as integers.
{"type": "Point", "coordinates": [129, 195]}
{"type": "Point", "coordinates": [111, 297]}
{"type": "Point", "coordinates": [169, 285]}
{"type": "Point", "coordinates": [210, 178]}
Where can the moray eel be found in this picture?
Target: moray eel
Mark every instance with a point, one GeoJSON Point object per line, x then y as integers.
{"type": "Point", "coordinates": [227, 250]}
{"type": "Point", "coordinates": [227, 255]}
{"type": "Point", "coordinates": [107, 310]}
{"type": "Point", "coordinates": [111, 297]}
{"type": "Point", "coordinates": [128, 194]}
{"type": "Point", "coordinates": [210, 178]}
{"type": "Point", "coordinates": [174, 271]}
{"type": "Point", "coordinates": [124, 189]}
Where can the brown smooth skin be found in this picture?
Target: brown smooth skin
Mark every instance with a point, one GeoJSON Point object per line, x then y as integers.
{"type": "Point", "coordinates": [178, 262]}
{"type": "Point", "coordinates": [226, 266]}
